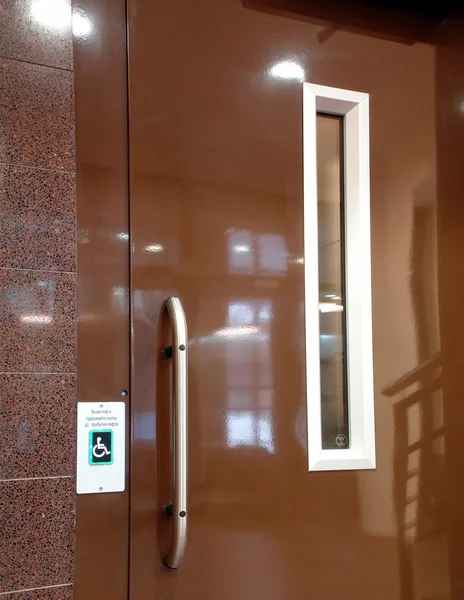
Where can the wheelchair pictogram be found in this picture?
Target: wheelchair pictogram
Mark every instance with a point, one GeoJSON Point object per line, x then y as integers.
{"type": "Point", "coordinates": [101, 447]}
{"type": "Point", "coordinates": [100, 450]}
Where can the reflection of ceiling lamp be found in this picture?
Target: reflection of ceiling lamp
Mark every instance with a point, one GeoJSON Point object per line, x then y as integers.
{"type": "Point", "coordinates": [81, 25]}
{"type": "Point", "coordinates": [56, 14]}
{"type": "Point", "coordinates": [238, 331]}
{"type": "Point", "coordinates": [123, 236]}
{"type": "Point", "coordinates": [330, 307]}
{"type": "Point", "coordinates": [36, 319]}
{"type": "Point", "coordinates": [287, 69]}
{"type": "Point", "coordinates": [52, 13]}
{"type": "Point", "coordinates": [240, 248]}
{"type": "Point", "coordinates": [154, 248]}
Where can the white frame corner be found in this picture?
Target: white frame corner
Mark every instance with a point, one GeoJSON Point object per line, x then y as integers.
{"type": "Point", "coordinates": [354, 107]}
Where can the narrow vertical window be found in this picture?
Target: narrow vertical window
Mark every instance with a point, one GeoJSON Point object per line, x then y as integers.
{"type": "Point", "coordinates": [338, 316]}
{"type": "Point", "coordinates": [332, 301]}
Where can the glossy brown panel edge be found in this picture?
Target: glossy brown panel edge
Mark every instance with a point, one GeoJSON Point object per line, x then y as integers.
{"type": "Point", "coordinates": [100, 61]}
{"type": "Point", "coordinates": [450, 144]}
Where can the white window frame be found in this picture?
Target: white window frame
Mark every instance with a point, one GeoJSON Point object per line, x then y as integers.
{"type": "Point", "coordinates": [354, 108]}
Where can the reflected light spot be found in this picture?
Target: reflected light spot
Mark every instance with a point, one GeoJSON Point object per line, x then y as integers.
{"type": "Point", "coordinates": [154, 248]}
{"type": "Point", "coordinates": [36, 319]}
{"type": "Point", "coordinates": [288, 69]}
{"type": "Point", "coordinates": [119, 291]}
{"type": "Point", "coordinates": [119, 294]}
{"type": "Point", "coordinates": [236, 331]}
{"type": "Point", "coordinates": [52, 13]}
{"type": "Point", "coordinates": [81, 25]}
{"type": "Point", "coordinates": [123, 236]}
{"type": "Point", "coordinates": [272, 253]}
{"type": "Point", "coordinates": [264, 313]}
{"type": "Point", "coordinates": [240, 314]}
{"type": "Point", "coordinates": [299, 260]}
{"type": "Point", "coordinates": [240, 248]}
{"type": "Point", "coordinates": [239, 429]}
{"type": "Point", "coordinates": [247, 428]}
{"type": "Point", "coordinates": [265, 434]}
{"type": "Point", "coordinates": [57, 15]}
{"type": "Point", "coordinates": [329, 307]}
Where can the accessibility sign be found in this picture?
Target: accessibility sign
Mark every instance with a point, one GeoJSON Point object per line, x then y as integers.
{"type": "Point", "coordinates": [101, 447]}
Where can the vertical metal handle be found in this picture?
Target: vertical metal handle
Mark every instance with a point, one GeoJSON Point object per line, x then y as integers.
{"type": "Point", "coordinates": [178, 353]}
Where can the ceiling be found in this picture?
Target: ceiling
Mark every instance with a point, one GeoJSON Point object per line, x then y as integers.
{"type": "Point", "coordinates": [438, 10]}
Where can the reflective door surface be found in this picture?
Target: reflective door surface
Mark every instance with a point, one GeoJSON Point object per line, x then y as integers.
{"type": "Point", "coordinates": [215, 126]}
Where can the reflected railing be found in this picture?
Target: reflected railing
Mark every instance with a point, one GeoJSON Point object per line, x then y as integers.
{"type": "Point", "coordinates": [418, 461]}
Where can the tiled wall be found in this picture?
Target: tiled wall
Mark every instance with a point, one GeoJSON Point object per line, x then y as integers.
{"type": "Point", "coordinates": [37, 300]}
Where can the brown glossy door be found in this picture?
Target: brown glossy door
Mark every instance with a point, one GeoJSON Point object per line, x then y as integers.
{"type": "Point", "coordinates": [216, 220]}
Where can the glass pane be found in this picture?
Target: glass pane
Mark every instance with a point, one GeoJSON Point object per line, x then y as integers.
{"type": "Point", "coordinates": [331, 283]}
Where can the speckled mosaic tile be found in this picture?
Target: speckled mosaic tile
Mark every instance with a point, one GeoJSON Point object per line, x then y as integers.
{"type": "Point", "coordinates": [38, 217]}
{"type": "Point", "coordinates": [37, 535]}
{"type": "Point", "coordinates": [37, 312]}
{"type": "Point", "coordinates": [33, 32]}
{"type": "Point", "coordinates": [58, 593]}
{"type": "Point", "coordinates": [37, 425]}
{"type": "Point", "coordinates": [36, 116]}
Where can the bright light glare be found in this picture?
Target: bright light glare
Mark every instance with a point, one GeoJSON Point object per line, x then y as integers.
{"type": "Point", "coordinates": [236, 331]}
{"type": "Point", "coordinates": [123, 236]}
{"type": "Point", "coordinates": [245, 428]}
{"type": "Point", "coordinates": [36, 319]}
{"type": "Point", "coordinates": [56, 14]}
{"type": "Point", "coordinates": [240, 248]}
{"type": "Point", "coordinates": [328, 307]}
{"type": "Point", "coordinates": [154, 248]}
{"type": "Point", "coordinates": [52, 13]}
{"type": "Point", "coordinates": [81, 25]}
{"type": "Point", "coordinates": [288, 69]}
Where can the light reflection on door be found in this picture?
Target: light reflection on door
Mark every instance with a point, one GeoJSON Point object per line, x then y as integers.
{"type": "Point", "coordinates": [254, 253]}
{"type": "Point", "coordinates": [249, 377]}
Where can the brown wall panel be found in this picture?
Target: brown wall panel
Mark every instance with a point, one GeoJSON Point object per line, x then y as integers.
{"type": "Point", "coordinates": [103, 276]}
{"type": "Point", "coordinates": [216, 150]}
